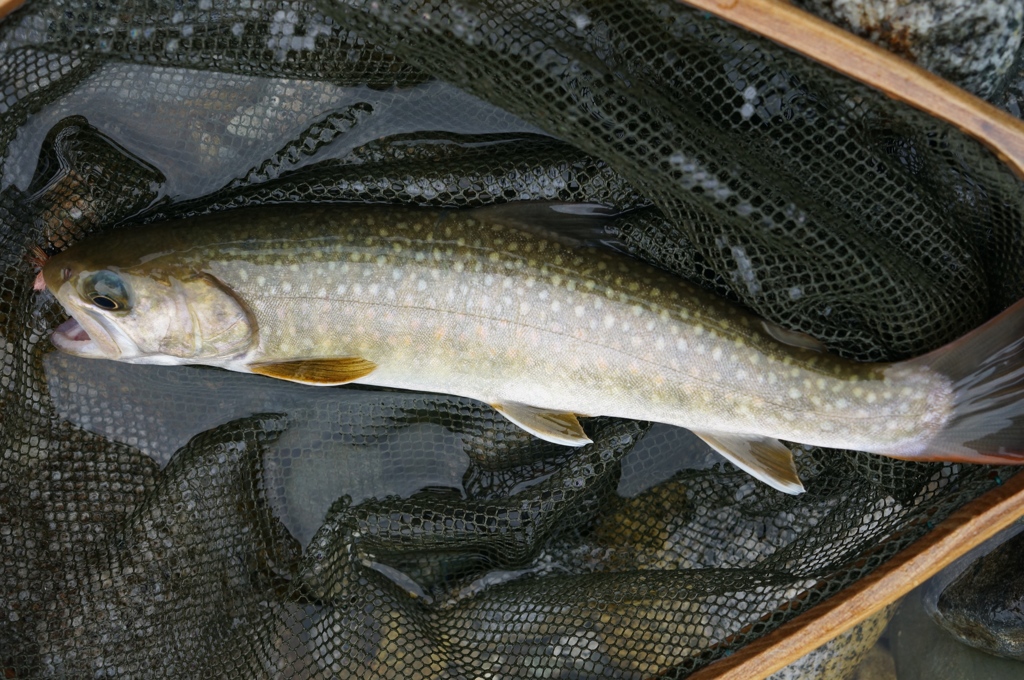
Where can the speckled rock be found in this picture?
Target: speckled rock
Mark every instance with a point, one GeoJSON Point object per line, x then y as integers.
{"type": "Point", "coordinates": [878, 664]}
{"type": "Point", "coordinates": [984, 606]}
{"type": "Point", "coordinates": [924, 651]}
{"type": "Point", "coordinates": [841, 657]}
{"type": "Point", "coordinates": [972, 43]}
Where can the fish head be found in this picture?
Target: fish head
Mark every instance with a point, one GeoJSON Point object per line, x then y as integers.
{"type": "Point", "coordinates": [144, 312]}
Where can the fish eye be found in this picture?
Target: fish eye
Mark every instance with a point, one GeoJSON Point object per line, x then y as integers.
{"type": "Point", "coordinates": [107, 290]}
{"type": "Point", "coordinates": [104, 302]}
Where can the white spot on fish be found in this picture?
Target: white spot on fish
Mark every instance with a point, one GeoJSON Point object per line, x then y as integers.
{"type": "Point", "coordinates": [580, 310]}
{"type": "Point", "coordinates": [556, 306]}
{"type": "Point", "coordinates": [794, 393]}
{"type": "Point", "coordinates": [681, 345]}
{"type": "Point", "coordinates": [421, 285]}
{"type": "Point", "coordinates": [286, 287]}
{"type": "Point", "coordinates": [716, 353]}
{"type": "Point", "coordinates": [261, 281]}
{"type": "Point", "coordinates": [609, 320]}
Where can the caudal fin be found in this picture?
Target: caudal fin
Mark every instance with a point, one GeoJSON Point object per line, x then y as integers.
{"type": "Point", "coordinates": [987, 370]}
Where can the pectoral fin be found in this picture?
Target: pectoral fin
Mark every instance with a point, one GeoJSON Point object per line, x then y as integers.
{"type": "Point", "coordinates": [763, 457]}
{"type": "Point", "coordinates": [317, 371]}
{"type": "Point", "coordinates": [552, 426]}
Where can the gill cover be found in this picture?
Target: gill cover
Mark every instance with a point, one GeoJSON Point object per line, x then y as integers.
{"type": "Point", "coordinates": [208, 320]}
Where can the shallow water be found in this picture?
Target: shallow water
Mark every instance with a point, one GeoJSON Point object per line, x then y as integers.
{"type": "Point", "coordinates": [203, 129]}
{"type": "Point", "coordinates": [337, 442]}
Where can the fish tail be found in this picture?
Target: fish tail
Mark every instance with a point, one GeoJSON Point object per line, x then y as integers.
{"type": "Point", "coordinates": [986, 368]}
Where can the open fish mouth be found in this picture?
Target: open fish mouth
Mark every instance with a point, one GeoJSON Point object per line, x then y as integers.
{"type": "Point", "coordinates": [73, 339]}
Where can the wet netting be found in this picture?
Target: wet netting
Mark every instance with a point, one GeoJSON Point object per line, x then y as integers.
{"type": "Point", "coordinates": [190, 522]}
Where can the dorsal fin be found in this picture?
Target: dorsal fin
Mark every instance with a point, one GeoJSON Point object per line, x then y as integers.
{"type": "Point", "coordinates": [575, 225]}
{"type": "Point", "coordinates": [793, 338]}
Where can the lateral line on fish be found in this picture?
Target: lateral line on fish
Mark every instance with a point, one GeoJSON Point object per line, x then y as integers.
{"type": "Point", "coordinates": [689, 377]}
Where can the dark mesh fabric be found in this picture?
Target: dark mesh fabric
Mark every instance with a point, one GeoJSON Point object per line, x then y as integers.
{"type": "Point", "coordinates": [188, 522]}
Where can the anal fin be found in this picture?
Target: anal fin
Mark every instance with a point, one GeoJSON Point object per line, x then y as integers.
{"type": "Point", "coordinates": [763, 457]}
{"type": "Point", "coordinates": [317, 371]}
{"type": "Point", "coordinates": [553, 426]}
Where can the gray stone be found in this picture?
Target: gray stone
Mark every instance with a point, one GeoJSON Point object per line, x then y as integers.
{"type": "Point", "coordinates": [924, 651]}
{"type": "Point", "coordinates": [984, 606]}
{"type": "Point", "coordinates": [972, 43]}
{"type": "Point", "coordinates": [841, 657]}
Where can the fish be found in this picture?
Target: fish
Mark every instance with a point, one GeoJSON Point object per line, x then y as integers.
{"type": "Point", "coordinates": [504, 305]}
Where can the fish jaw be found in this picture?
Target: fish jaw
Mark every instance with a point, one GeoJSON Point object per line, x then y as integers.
{"type": "Point", "coordinates": [85, 336]}
{"type": "Point", "coordinates": [70, 337]}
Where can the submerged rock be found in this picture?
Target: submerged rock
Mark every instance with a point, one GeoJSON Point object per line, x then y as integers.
{"type": "Point", "coordinates": [924, 651]}
{"type": "Point", "coordinates": [844, 656]}
{"type": "Point", "coordinates": [984, 606]}
{"type": "Point", "coordinates": [972, 43]}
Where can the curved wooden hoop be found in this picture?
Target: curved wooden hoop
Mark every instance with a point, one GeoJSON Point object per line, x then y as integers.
{"type": "Point", "coordinates": [965, 529]}
{"type": "Point", "coordinates": [8, 6]}
{"type": "Point", "coordinates": [899, 79]}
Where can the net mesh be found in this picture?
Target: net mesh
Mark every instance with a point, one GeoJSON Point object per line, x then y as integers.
{"type": "Point", "coordinates": [163, 521]}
